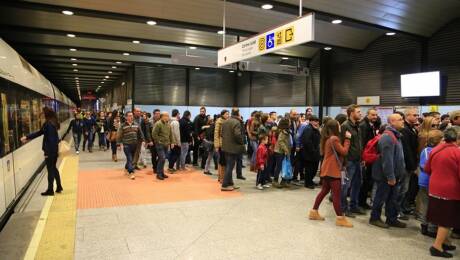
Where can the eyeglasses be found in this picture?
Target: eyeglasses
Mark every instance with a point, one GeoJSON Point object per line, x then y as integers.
{"type": "Point", "coordinates": [434, 126]}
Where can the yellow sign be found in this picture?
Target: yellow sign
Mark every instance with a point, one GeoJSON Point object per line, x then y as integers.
{"type": "Point", "coordinates": [289, 34]}
{"type": "Point", "coordinates": [262, 43]}
{"type": "Point", "coordinates": [434, 108]}
{"type": "Point", "coordinates": [279, 38]}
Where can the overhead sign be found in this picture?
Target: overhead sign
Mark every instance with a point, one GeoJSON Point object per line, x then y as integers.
{"type": "Point", "coordinates": [368, 101]}
{"type": "Point", "coordinates": [293, 33]}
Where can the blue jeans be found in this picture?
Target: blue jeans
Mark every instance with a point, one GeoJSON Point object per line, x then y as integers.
{"type": "Point", "coordinates": [230, 160]}
{"type": "Point", "coordinates": [254, 147]}
{"type": "Point", "coordinates": [208, 161]}
{"type": "Point", "coordinates": [278, 163]}
{"type": "Point", "coordinates": [102, 140]}
{"type": "Point", "coordinates": [239, 166]}
{"type": "Point", "coordinates": [353, 182]}
{"type": "Point", "coordinates": [183, 154]}
{"type": "Point", "coordinates": [161, 153]}
{"type": "Point", "coordinates": [129, 150]}
{"type": "Point", "coordinates": [403, 187]}
{"type": "Point", "coordinates": [385, 194]}
{"type": "Point", "coordinates": [77, 140]}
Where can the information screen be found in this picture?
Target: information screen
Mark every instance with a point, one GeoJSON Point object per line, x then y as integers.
{"type": "Point", "coordinates": [426, 84]}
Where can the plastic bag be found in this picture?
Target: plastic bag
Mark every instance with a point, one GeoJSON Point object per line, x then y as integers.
{"type": "Point", "coordinates": [286, 169]}
{"type": "Point", "coordinates": [64, 147]}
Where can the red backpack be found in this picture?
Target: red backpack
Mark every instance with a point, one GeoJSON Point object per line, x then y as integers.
{"type": "Point", "coordinates": [371, 153]}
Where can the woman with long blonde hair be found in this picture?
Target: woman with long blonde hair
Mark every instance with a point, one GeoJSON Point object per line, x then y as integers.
{"type": "Point", "coordinates": [429, 123]}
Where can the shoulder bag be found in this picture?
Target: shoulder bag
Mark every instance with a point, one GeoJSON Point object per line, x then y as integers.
{"type": "Point", "coordinates": [343, 170]}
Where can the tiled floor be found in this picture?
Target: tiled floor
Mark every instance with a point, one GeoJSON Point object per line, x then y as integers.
{"type": "Point", "coordinates": [269, 224]}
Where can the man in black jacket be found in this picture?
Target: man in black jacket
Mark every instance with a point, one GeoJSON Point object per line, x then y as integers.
{"type": "Point", "coordinates": [310, 153]}
{"type": "Point", "coordinates": [369, 128]}
{"type": "Point", "coordinates": [198, 135]}
{"type": "Point", "coordinates": [410, 145]}
{"type": "Point", "coordinates": [186, 133]}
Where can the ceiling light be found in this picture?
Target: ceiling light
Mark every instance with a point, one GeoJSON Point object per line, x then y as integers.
{"type": "Point", "coordinates": [327, 48]}
{"type": "Point", "coordinates": [73, 59]}
{"type": "Point", "coordinates": [126, 54]}
{"type": "Point", "coordinates": [220, 32]}
{"type": "Point", "coordinates": [72, 49]}
{"type": "Point", "coordinates": [2, 57]}
{"type": "Point", "coordinates": [267, 6]}
{"type": "Point", "coordinates": [74, 64]}
{"type": "Point", "coordinates": [67, 12]}
{"type": "Point", "coordinates": [285, 58]}
{"type": "Point", "coordinates": [197, 68]}
{"type": "Point", "coordinates": [110, 72]}
{"type": "Point", "coordinates": [118, 62]}
{"type": "Point", "coordinates": [76, 77]}
{"type": "Point", "coordinates": [337, 21]}
{"type": "Point", "coordinates": [192, 47]}
{"type": "Point", "coordinates": [114, 67]}
{"type": "Point", "coordinates": [75, 70]}
{"type": "Point", "coordinates": [103, 79]}
{"type": "Point", "coordinates": [71, 35]}
{"type": "Point", "coordinates": [102, 82]}
{"type": "Point", "coordinates": [231, 71]}
{"type": "Point", "coordinates": [98, 86]}
{"type": "Point", "coordinates": [390, 33]}
{"type": "Point", "coordinates": [151, 22]}
{"type": "Point", "coordinates": [136, 42]}
{"type": "Point", "coordinates": [106, 77]}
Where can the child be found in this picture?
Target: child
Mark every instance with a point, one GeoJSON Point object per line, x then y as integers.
{"type": "Point", "coordinates": [261, 162]}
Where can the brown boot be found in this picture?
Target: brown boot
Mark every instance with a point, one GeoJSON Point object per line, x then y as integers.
{"type": "Point", "coordinates": [314, 215]}
{"type": "Point", "coordinates": [115, 158]}
{"type": "Point", "coordinates": [342, 221]}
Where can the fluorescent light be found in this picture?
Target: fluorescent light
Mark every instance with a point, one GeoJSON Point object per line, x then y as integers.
{"type": "Point", "coordinates": [67, 12]}
{"type": "Point", "coordinates": [390, 33]}
{"type": "Point", "coordinates": [72, 49]}
{"type": "Point", "coordinates": [74, 64]}
{"type": "Point", "coordinates": [337, 21]}
{"type": "Point", "coordinates": [231, 71]}
{"type": "Point", "coordinates": [327, 48]}
{"type": "Point", "coordinates": [73, 59]}
{"type": "Point", "coordinates": [151, 22]}
{"type": "Point", "coordinates": [76, 77]}
{"type": "Point", "coordinates": [137, 42]}
{"type": "Point", "coordinates": [114, 67]}
{"type": "Point", "coordinates": [110, 72]}
{"type": "Point", "coordinates": [126, 54]}
{"type": "Point", "coordinates": [103, 79]}
{"type": "Point", "coordinates": [102, 82]}
{"type": "Point", "coordinates": [220, 32]}
{"type": "Point", "coordinates": [118, 62]}
{"type": "Point", "coordinates": [197, 68]}
{"type": "Point", "coordinates": [267, 6]}
{"type": "Point", "coordinates": [71, 35]}
{"type": "Point", "coordinates": [285, 58]}
{"type": "Point", "coordinates": [75, 70]}
{"type": "Point", "coordinates": [107, 77]}
{"type": "Point", "coordinates": [192, 47]}
{"type": "Point", "coordinates": [98, 86]}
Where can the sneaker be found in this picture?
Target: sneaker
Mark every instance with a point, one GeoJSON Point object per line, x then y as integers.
{"type": "Point", "coordinates": [402, 216]}
{"type": "Point", "coordinates": [59, 190]}
{"type": "Point", "coordinates": [310, 186]}
{"type": "Point", "coordinates": [165, 176]}
{"type": "Point", "coordinates": [47, 193]}
{"type": "Point", "coordinates": [437, 253]}
{"type": "Point", "coordinates": [172, 171]}
{"type": "Point", "coordinates": [78, 152]}
{"type": "Point", "coordinates": [229, 188]}
{"type": "Point", "coordinates": [132, 176]}
{"type": "Point", "coordinates": [365, 206]}
{"type": "Point", "coordinates": [397, 224]}
{"type": "Point", "coordinates": [241, 178]}
{"type": "Point", "coordinates": [358, 211]}
{"type": "Point", "coordinates": [259, 187]}
{"type": "Point", "coordinates": [236, 187]}
{"type": "Point", "coordinates": [379, 223]}
{"type": "Point", "coordinates": [208, 173]}
{"type": "Point", "coordinates": [160, 177]}
{"type": "Point", "coordinates": [267, 185]}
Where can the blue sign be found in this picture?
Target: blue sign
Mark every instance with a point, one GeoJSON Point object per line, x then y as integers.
{"type": "Point", "coordinates": [270, 43]}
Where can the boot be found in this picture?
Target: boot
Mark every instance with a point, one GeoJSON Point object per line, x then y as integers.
{"type": "Point", "coordinates": [314, 215]}
{"type": "Point", "coordinates": [342, 221]}
{"type": "Point", "coordinates": [113, 157]}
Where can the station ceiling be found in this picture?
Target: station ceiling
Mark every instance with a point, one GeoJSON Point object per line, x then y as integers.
{"type": "Point", "coordinates": [105, 31]}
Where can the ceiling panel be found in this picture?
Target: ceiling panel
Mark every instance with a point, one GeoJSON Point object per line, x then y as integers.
{"type": "Point", "coordinates": [422, 17]}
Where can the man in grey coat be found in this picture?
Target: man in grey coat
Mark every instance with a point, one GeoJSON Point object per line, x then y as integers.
{"type": "Point", "coordinates": [387, 172]}
{"type": "Point", "coordinates": [232, 146]}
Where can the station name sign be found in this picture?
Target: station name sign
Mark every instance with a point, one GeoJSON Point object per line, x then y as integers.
{"type": "Point", "coordinates": [287, 35]}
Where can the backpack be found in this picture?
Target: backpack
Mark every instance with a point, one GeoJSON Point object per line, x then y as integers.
{"type": "Point", "coordinates": [371, 153]}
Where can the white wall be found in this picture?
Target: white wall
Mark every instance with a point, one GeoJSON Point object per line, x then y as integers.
{"type": "Point", "coordinates": [244, 111]}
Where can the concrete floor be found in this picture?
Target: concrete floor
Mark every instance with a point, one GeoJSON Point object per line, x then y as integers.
{"type": "Point", "coordinates": [269, 224]}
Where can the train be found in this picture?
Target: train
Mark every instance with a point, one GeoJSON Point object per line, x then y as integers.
{"type": "Point", "coordinates": [23, 93]}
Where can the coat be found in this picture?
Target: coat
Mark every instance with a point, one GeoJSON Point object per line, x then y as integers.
{"type": "Point", "coordinates": [232, 136]}
{"type": "Point", "coordinates": [330, 166]}
{"type": "Point", "coordinates": [409, 139]}
{"type": "Point", "coordinates": [310, 140]}
{"type": "Point", "coordinates": [390, 164]}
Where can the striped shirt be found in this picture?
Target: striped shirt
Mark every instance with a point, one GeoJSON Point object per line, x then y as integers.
{"type": "Point", "coordinates": [129, 134]}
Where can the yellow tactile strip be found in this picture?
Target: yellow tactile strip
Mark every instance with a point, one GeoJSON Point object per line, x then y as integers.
{"type": "Point", "coordinates": [58, 237]}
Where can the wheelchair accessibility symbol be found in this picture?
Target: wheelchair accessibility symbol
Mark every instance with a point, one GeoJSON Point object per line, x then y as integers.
{"type": "Point", "coordinates": [270, 40]}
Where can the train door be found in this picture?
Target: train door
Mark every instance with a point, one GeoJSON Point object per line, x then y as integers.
{"type": "Point", "coordinates": [7, 145]}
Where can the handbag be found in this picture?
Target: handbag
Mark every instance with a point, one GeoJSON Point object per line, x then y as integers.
{"type": "Point", "coordinates": [343, 170]}
{"type": "Point", "coordinates": [64, 147]}
{"type": "Point", "coordinates": [113, 136]}
{"type": "Point", "coordinates": [286, 169]}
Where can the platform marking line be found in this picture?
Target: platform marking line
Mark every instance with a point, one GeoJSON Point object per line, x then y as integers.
{"type": "Point", "coordinates": [36, 237]}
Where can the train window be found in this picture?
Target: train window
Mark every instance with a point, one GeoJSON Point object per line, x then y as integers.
{"type": "Point", "coordinates": [7, 114]}
{"type": "Point", "coordinates": [36, 109]}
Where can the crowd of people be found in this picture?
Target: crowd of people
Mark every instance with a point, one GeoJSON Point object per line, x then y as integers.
{"type": "Point", "coordinates": [410, 165]}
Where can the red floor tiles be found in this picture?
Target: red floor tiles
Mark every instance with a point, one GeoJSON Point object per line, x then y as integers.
{"type": "Point", "coordinates": [102, 188]}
